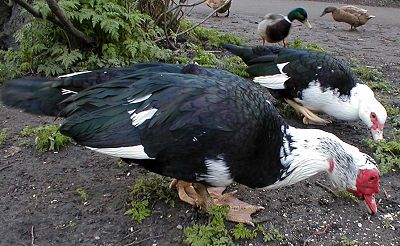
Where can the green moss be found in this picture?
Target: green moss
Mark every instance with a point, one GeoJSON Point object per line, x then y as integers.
{"type": "Point", "coordinates": [233, 64]}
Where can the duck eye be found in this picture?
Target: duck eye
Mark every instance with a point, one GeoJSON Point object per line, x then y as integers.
{"type": "Point", "coordinates": [373, 115]}
{"type": "Point", "coordinates": [372, 178]}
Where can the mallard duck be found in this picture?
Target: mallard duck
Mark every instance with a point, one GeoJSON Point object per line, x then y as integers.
{"type": "Point", "coordinates": [349, 14]}
{"type": "Point", "coordinates": [275, 27]}
{"type": "Point", "coordinates": [314, 81]}
{"type": "Point", "coordinates": [215, 4]}
{"type": "Point", "coordinates": [204, 127]}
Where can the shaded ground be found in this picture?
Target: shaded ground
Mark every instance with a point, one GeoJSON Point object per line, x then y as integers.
{"type": "Point", "coordinates": [38, 190]}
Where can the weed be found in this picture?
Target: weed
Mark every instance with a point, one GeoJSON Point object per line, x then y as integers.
{"type": "Point", "coordinates": [272, 234]}
{"type": "Point", "coordinates": [210, 36]}
{"type": "Point", "coordinates": [387, 152]}
{"type": "Point", "coordinates": [345, 241]}
{"type": "Point", "coordinates": [204, 58]}
{"type": "Point", "coordinates": [297, 43]}
{"type": "Point", "coordinates": [241, 232]}
{"type": "Point", "coordinates": [372, 76]}
{"type": "Point", "coordinates": [233, 64]}
{"type": "Point", "coordinates": [139, 210]}
{"type": "Point", "coordinates": [215, 233]}
{"type": "Point", "coordinates": [82, 193]}
{"type": "Point", "coordinates": [47, 138]}
{"type": "Point", "coordinates": [3, 135]}
{"type": "Point", "coordinates": [346, 195]}
{"type": "Point", "coordinates": [148, 190]}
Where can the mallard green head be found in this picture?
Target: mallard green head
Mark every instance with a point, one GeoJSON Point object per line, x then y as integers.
{"type": "Point", "coordinates": [301, 15]}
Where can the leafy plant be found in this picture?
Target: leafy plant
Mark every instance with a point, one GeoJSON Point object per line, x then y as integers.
{"type": "Point", "coordinates": [148, 190]}
{"type": "Point", "coordinates": [3, 135]}
{"type": "Point", "coordinates": [346, 195]}
{"type": "Point", "coordinates": [215, 233]}
{"type": "Point", "coordinates": [272, 234]}
{"type": "Point", "coordinates": [82, 193]}
{"type": "Point", "coordinates": [122, 35]}
{"type": "Point", "coordinates": [241, 232]}
{"type": "Point", "coordinates": [47, 138]}
{"type": "Point", "coordinates": [139, 210]}
{"type": "Point", "coordinates": [297, 43]}
{"type": "Point", "coordinates": [372, 76]}
{"type": "Point", "coordinates": [233, 64]}
{"type": "Point", "coordinates": [345, 241]}
{"type": "Point", "coordinates": [203, 57]}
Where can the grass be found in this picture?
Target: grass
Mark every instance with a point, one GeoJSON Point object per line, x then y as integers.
{"type": "Point", "coordinates": [345, 241]}
{"type": "Point", "coordinates": [3, 135]}
{"type": "Point", "coordinates": [47, 137]}
{"type": "Point", "coordinates": [145, 192]}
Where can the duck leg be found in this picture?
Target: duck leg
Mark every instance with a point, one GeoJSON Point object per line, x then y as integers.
{"type": "Point", "coordinates": [309, 116]}
{"type": "Point", "coordinates": [198, 195]}
{"type": "Point", "coordinates": [285, 43]}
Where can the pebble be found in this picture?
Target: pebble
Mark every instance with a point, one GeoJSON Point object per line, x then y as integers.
{"type": "Point", "coordinates": [179, 227]}
{"type": "Point", "coordinates": [97, 237]}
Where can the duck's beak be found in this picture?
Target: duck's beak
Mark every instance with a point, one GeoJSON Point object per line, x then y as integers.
{"type": "Point", "coordinates": [323, 13]}
{"type": "Point", "coordinates": [377, 134]}
{"type": "Point", "coordinates": [307, 23]}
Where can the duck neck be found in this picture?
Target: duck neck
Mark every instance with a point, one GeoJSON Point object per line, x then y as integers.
{"type": "Point", "coordinates": [306, 152]}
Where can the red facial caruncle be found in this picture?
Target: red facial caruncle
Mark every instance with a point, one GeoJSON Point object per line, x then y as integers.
{"type": "Point", "coordinates": [367, 185]}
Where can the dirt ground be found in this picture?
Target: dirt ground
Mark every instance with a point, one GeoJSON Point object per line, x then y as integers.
{"type": "Point", "coordinates": [37, 190]}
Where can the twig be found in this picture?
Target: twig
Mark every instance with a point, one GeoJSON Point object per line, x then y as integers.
{"type": "Point", "coordinates": [3, 168]}
{"type": "Point", "coordinates": [143, 240]}
{"type": "Point", "coordinates": [136, 231]}
{"type": "Point", "coordinates": [32, 236]}
{"type": "Point", "coordinates": [326, 188]}
{"type": "Point", "coordinates": [198, 24]}
{"type": "Point", "coordinates": [67, 23]}
{"type": "Point", "coordinates": [317, 233]}
{"type": "Point", "coordinates": [386, 193]}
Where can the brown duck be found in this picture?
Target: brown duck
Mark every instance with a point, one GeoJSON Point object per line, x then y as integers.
{"type": "Point", "coordinates": [349, 14]}
{"type": "Point", "coordinates": [215, 4]}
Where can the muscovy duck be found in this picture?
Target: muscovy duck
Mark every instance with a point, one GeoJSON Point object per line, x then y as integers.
{"type": "Point", "coordinates": [352, 15]}
{"type": "Point", "coordinates": [313, 81]}
{"type": "Point", "coordinates": [203, 126]}
{"type": "Point", "coordinates": [276, 27]}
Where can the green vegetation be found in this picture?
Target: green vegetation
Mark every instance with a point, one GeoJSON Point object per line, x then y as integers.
{"type": "Point", "coordinates": [372, 76]}
{"type": "Point", "coordinates": [297, 43]}
{"type": "Point", "coordinates": [241, 232]}
{"type": "Point", "coordinates": [346, 195]}
{"type": "Point", "coordinates": [147, 191]}
{"type": "Point", "coordinates": [47, 137]}
{"type": "Point", "coordinates": [210, 37]}
{"type": "Point", "coordinates": [215, 233]}
{"type": "Point", "coordinates": [387, 151]}
{"type": "Point", "coordinates": [139, 210]}
{"type": "Point", "coordinates": [82, 193]}
{"type": "Point", "coordinates": [345, 241]}
{"type": "Point", "coordinates": [3, 135]}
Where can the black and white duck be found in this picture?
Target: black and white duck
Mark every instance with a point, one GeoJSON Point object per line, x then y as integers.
{"type": "Point", "coordinates": [204, 127]}
{"type": "Point", "coordinates": [313, 81]}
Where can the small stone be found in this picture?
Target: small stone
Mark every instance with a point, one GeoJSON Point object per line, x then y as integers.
{"type": "Point", "coordinates": [97, 237]}
{"type": "Point", "coordinates": [179, 227]}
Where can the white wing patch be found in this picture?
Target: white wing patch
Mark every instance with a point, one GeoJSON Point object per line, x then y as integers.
{"type": "Point", "coordinates": [66, 91]}
{"type": "Point", "coordinates": [139, 99]}
{"type": "Point", "coordinates": [217, 172]}
{"type": "Point", "coordinates": [131, 152]}
{"type": "Point", "coordinates": [73, 74]}
{"type": "Point", "coordinates": [276, 81]}
{"type": "Point", "coordinates": [138, 119]}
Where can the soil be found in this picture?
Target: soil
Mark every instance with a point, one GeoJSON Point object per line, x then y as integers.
{"type": "Point", "coordinates": [39, 204]}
